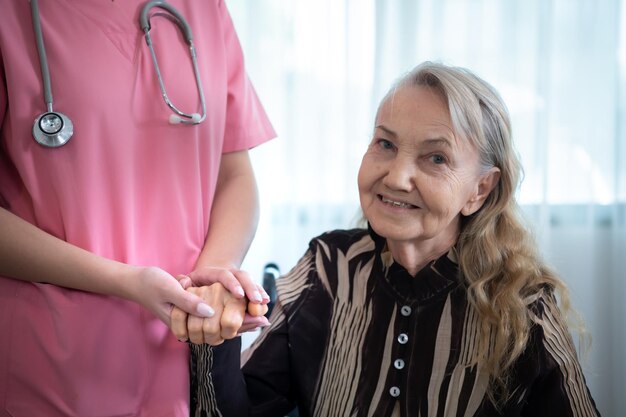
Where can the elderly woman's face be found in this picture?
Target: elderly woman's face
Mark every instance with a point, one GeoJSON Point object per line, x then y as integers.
{"type": "Point", "coordinates": [418, 176]}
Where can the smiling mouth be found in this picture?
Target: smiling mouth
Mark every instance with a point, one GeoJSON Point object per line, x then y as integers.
{"type": "Point", "coordinates": [394, 203]}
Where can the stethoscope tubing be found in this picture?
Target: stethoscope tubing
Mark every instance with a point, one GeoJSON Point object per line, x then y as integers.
{"type": "Point", "coordinates": [43, 59]}
{"type": "Point", "coordinates": [144, 22]}
{"type": "Point", "coordinates": [53, 129]}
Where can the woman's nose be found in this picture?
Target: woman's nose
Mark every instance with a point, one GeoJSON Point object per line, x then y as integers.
{"type": "Point", "coordinates": [400, 175]}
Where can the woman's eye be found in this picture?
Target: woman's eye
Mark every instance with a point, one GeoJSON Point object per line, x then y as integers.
{"type": "Point", "coordinates": [438, 159]}
{"type": "Point", "coordinates": [385, 144]}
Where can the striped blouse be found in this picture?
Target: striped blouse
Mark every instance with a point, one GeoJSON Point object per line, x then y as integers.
{"type": "Point", "coordinates": [353, 334]}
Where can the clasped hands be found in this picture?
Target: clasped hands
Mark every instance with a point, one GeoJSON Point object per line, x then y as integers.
{"type": "Point", "coordinates": [238, 303]}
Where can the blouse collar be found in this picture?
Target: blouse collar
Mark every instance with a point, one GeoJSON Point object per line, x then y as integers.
{"type": "Point", "coordinates": [437, 278]}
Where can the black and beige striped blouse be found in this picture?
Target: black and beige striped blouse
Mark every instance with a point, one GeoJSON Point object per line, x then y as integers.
{"type": "Point", "coordinates": [353, 334]}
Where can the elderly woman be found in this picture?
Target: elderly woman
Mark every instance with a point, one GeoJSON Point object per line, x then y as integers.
{"type": "Point", "coordinates": [441, 306]}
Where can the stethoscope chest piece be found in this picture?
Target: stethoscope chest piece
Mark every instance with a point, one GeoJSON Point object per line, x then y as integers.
{"type": "Point", "coordinates": [53, 129]}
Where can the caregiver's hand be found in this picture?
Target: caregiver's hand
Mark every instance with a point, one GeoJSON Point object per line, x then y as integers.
{"type": "Point", "coordinates": [159, 292]}
{"type": "Point", "coordinates": [237, 281]}
{"type": "Point", "coordinates": [229, 320]}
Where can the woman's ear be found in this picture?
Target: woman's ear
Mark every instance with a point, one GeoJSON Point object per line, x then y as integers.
{"type": "Point", "coordinates": [486, 184]}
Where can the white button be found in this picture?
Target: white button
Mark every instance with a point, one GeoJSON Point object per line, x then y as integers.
{"type": "Point", "coordinates": [394, 391]}
{"type": "Point", "coordinates": [403, 338]}
{"type": "Point", "coordinates": [405, 311]}
{"type": "Point", "coordinates": [398, 363]}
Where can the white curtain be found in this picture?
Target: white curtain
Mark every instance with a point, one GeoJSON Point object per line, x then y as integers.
{"type": "Point", "coordinates": [321, 67]}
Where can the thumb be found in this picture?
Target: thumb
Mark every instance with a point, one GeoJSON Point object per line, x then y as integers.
{"type": "Point", "coordinates": [192, 304]}
{"type": "Point", "coordinates": [184, 281]}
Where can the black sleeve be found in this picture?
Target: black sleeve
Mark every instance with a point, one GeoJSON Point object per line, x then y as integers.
{"type": "Point", "coordinates": [267, 370]}
{"type": "Point", "coordinates": [559, 389]}
{"type": "Point", "coordinates": [554, 396]}
{"type": "Point", "coordinates": [217, 386]}
{"type": "Point", "coordinates": [274, 377]}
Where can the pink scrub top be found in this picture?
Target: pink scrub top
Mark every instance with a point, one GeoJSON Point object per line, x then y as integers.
{"type": "Point", "coordinates": [128, 186]}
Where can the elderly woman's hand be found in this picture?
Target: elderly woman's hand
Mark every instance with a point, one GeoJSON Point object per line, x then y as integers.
{"type": "Point", "coordinates": [230, 317]}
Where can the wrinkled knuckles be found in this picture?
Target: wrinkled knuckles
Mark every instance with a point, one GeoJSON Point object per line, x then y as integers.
{"type": "Point", "coordinates": [177, 315]}
{"type": "Point", "coordinates": [228, 334]}
{"type": "Point", "coordinates": [195, 324]}
{"type": "Point", "coordinates": [210, 327]}
{"type": "Point", "coordinates": [196, 339]}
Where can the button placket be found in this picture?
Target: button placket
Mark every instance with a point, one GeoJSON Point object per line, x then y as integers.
{"type": "Point", "coordinates": [399, 351]}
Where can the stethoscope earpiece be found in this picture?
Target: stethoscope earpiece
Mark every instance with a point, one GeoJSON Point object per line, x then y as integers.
{"type": "Point", "coordinates": [53, 129]}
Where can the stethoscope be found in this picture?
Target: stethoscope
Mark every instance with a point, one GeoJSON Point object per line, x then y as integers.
{"type": "Point", "coordinates": [53, 129]}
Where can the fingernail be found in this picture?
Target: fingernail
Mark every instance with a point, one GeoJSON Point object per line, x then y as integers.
{"type": "Point", "coordinates": [239, 291]}
{"type": "Point", "coordinates": [205, 310]}
{"type": "Point", "coordinates": [256, 296]}
{"type": "Point", "coordinates": [182, 339]}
